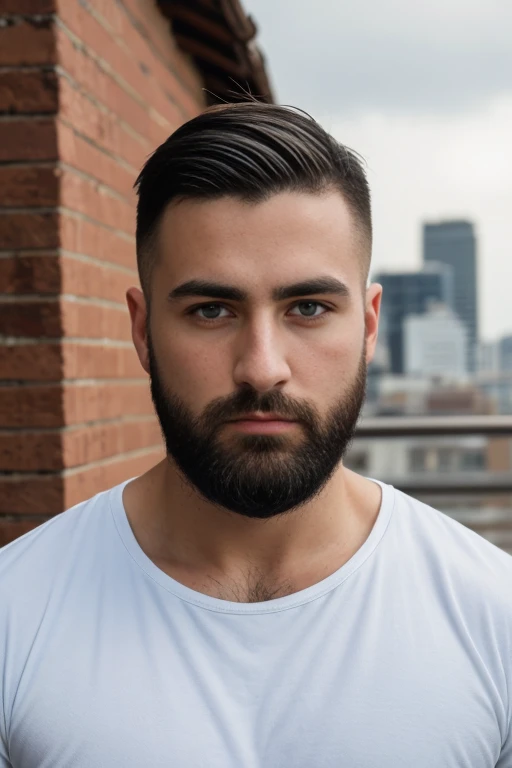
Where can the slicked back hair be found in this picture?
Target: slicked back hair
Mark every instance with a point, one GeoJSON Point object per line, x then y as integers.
{"type": "Point", "coordinates": [248, 151]}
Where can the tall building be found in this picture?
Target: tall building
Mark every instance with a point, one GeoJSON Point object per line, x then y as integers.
{"type": "Point", "coordinates": [410, 293]}
{"type": "Point", "coordinates": [435, 343]}
{"type": "Point", "coordinates": [488, 357]}
{"type": "Point", "coordinates": [454, 243]}
{"type": "Point", "coordinates": [505, 354]}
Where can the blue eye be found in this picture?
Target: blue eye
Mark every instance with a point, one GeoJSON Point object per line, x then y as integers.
{"type": "Point", "coordinates": [210, 311]}
{"type": "Point", "coordinates": [310, 308]}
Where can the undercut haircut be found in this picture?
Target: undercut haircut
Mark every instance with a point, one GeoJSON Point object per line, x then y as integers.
{"type": "Point", "coordinates": [249, 151]}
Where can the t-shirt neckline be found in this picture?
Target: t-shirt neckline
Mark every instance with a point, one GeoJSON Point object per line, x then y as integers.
{"type": "Point", "coordinates": [218, 605]}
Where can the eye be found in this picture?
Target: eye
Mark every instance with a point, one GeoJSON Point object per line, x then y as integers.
{"type": "Point", "coordinates": [308, 309]}
{"type": "Point", "coordinates": [210, 312]}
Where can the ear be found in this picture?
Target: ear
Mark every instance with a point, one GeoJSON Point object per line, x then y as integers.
{"type": "Point", "coordinates": [138, 315]}
{"type": "Point", "coordinates": [372, 311]}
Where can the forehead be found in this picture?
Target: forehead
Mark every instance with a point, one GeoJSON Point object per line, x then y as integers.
{"type": "Point", "coordinates": [287, 237]}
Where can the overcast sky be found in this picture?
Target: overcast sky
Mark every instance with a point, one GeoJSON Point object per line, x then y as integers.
{"type": "Point", "coordinates": [424, 92]}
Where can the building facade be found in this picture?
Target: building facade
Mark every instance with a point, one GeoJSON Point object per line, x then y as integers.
{"type": "Point", "coordinates": [410, 293]}
{"type": "Point", "coordinates": [488, 357]}
{"type": "Point", "coordinates": [435, 343]}
{"type": "Point", "coordinates": [505, 354]}
{"type": "Point", "coordinates": [454, 243]}
{"type": "Point", "coordinates": [87, 92]}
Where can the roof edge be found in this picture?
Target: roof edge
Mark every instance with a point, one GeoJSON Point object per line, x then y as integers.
{"type": "Point", "coordinates": [219, 37]}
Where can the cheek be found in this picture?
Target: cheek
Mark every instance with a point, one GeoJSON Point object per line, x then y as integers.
{"type": "Point", "coordinates": [328, 366]}
{"type": "Point", "coordinates": [191, 369]}
{"type": "Point", "coordinates": [340, 346]}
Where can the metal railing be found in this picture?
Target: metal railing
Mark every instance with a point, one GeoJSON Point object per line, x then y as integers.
{"type": "Point", "coordinates": [442, 426]}
{"type": "Point", "coordinates": [413, 426]}
{"type": "Point", "coordinates": [479, 498]}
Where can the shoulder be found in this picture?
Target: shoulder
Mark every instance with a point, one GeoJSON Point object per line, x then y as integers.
{"type": "Point", "coordinates": [39, 573]}
{"type": "Point", "coordinates": [461, 586]}
{"type": "Point", "coordinates": [454, 556]}
{"type": "Point", "coordinates": [31, 564]}
{"type": "Point", "coordinates": [448, 535]}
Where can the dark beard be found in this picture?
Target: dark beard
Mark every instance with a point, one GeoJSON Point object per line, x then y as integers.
{"type": "Point", "coordinates": [259, 476]}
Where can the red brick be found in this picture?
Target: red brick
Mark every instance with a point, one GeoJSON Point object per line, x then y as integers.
{"type": "Point", "coordinates": [27, 42]}
{"type": "Point", "coordinates": [12, 529]}
{"type": "Point", "coordinates": [129, 88]}
{"type": "Point", "coordinates": [19, 7]}
{"type": "Point", "coordinates": [118, 57]}
{"type": "Point", "coordinates": [158, 36]}
{"type": "Point", "coordinates": [47, 273]}
{"type": "Point", "coordinates": [31, 494]}
{"type": "Point", "coordinates": [96, 202]}
{"type": "Point", "coordinates": [59, 449]}
{"type": "Point", "coordinates": [28, 138]}
{"type": "Point", "coordinates": [29, 186]}
{"type": "Point", "coordinates": [51, 362]}
{"type": "Point", "coordinates": [30, 274]}
{"type": "Point", "coordinates": [106, 400]}
{"type": "Point", "coordinates": [32, 406]}
{"type": "Point", "coordinates": [31, 319]}
{"type": "Point", "coordinates": [53, 319]}
{"type": "Point", "coordinates": [86, 445]}
{"type": "Point", "coordinates": [145, 34]}
{"type": "Point", "coordinates": [95, 280]}
{"type": "Point", "coordinates": [83, 483]}
{"type": "Point", "coordinates": [80, 236]}
{"type": "Point", "coordinates": [144, 118]}
{"type": "Point", "coordinates": [50, 494]}
{"type": "Point", "coordinates": [33, 362]}
{"type": "Point", "coordinates": [93, 321]}
{"type": "Point", "coordinates": [78, 153]}
{"type": "Point", "coordinates": [25, 92]}
{"type": "Point", "coordinates": [57, 405]}
{"type": "Point", "coordinates": [97, 361]}
{"type": "Point", "coordinates": [30, 451]}
{"type": "Point", "coordinates": [28, 230]}
{"type": "Point", "coordinates": [101, 127]}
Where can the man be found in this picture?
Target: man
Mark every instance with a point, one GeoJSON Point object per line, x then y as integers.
{"type": "Point", "coordinates": [250, 602]}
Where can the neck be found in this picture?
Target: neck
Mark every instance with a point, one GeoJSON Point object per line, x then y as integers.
{"type": "Point", "coordinates": [223, 553]}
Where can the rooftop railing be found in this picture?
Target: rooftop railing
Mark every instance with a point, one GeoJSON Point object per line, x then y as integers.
{"type": "Point", "coordinates": [413, 426]}
{"type": "Point", "coordinates": [480, 498]}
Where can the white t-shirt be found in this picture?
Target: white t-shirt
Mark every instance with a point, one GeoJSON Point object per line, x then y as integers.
{"type": "Point", "coordinates": [400, 659]}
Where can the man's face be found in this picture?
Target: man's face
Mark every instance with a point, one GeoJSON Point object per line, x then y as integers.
{"type": "Point", "coordinates": [253, 346]}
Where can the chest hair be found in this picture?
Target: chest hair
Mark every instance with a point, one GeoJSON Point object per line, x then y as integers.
{"type": "Point", "coordinates": [254, 588]}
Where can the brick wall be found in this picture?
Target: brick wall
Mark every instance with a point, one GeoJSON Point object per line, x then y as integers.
{"type": "Point", "coordinates": [88, 88]}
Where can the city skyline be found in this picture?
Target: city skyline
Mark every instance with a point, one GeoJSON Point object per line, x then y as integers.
{"type": "Point", "coordinates": [425, 95]}
{"type": "Point", "coordinates": [409, 294]}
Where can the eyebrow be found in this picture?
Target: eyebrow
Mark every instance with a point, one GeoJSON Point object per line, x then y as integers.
{"type": "Point", "coordinates": [317, 285]}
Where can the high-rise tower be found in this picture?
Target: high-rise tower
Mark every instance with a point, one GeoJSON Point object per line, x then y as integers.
{"type": "Point", "coordinates": [454, 243]}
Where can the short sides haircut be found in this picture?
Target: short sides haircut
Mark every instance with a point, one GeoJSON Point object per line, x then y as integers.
{"type": "Point", "coordinates": [249, 151]}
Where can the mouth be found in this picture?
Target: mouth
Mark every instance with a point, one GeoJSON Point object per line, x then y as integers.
{"type": "Point", "coordinates": [262, 423]}
{"type": "Point", "coordinates": [262, 417]}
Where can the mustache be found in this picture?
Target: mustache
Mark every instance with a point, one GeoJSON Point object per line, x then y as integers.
{"type": "Point", "coordinates": [248, 400]}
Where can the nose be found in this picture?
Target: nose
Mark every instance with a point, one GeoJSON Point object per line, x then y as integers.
{"type": "Point", "coordinates": [260, 361]}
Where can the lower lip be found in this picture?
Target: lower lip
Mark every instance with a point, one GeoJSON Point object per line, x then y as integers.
{"type": "Point", "coordinates": [263, 427]}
